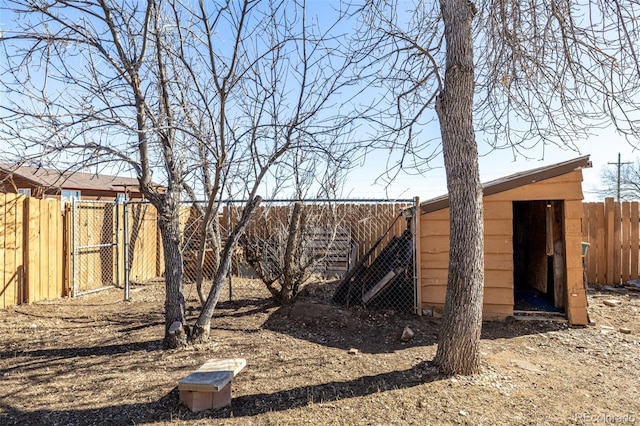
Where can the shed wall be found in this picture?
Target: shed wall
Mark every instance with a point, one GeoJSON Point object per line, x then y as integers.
{"type": "Point", "coordinates": [498, 223]}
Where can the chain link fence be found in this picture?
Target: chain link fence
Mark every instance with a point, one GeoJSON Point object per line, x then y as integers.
{"type": "Point", "coordinates": [363, 248]}
{"type": "Point", "coordinates": [95, 256]}
{"type": "Point", "coordinates": [142, 246]}
{"type": "Point", "coordinates": [363, 251]}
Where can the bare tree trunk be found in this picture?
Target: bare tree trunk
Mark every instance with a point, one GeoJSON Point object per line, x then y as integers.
{"type": "Point", "coordinates": [203, 323]}
{"type": "Point", "coordinates": [208, 229]}
{"type": "Point", "coordinates": [458, 342]}
{"type": "Point", "coordinates": [176, 332]}
{"type": "Point", "coordinates": [288, 281]}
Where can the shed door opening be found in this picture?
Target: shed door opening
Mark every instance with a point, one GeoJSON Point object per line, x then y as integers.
{"type": "Point", "coordinates": [539, 256]}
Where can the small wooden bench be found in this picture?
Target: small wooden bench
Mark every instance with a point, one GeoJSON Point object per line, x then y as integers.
{"type": "Point", "coordinates": [210, 385]}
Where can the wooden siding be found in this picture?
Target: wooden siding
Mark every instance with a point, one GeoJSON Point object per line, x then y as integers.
{"type": "Point", "coordinates": [417, 265]}
{"type": "Point", "coordinates": [564, 187]}
{"type": "Point", "coordinates": [576, 291]}
{"type": "Point", "coordinates": [13, 184]}
{"type": "Point", "coordinates": [498, 228]}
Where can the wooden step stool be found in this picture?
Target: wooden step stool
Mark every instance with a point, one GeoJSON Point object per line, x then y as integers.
{"type": "Point", "coordinates": [210, 385]}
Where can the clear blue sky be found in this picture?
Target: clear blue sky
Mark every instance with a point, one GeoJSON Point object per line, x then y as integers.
{"type": "Point", "coordinates": [603, 149]}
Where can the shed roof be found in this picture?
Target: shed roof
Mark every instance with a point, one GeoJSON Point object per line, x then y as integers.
{"type": "Point", "coordinates": [51, 178]}
{"type": "Point", "coordinates": [514, 181]}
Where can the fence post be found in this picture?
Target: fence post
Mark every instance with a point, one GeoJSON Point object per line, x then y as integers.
{"type": "Point", "coordinates": [592, 231]}
{"type": "Point", "coordinates": [609, 216]}
{"type": "Point", "coordinates": [74, 247]}
{"type": "Point", "coordinates": [13, 249]}
{"type": "Point", "coordinates": [230, 272]}
{"type": "Point", "coordinates": [125, 220]}
{"type": "Point", "coordinates": [617, 248]}
{"type": "Point", "coordinates": [634, 240]}
{"type": "Point", "coordinates": [601, 243]}
{"type": "Point", "coordinates": [68, 241]}
{"type": "Point", "coordinates": [417, 274]}
{"type": "Point", "coordinates": [625, 251]}
{"type": "Point", "coordinates": [117, 238]}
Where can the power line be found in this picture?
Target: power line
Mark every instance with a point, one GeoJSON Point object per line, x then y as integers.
{"type": "Point", "coordinates": [619, 164]}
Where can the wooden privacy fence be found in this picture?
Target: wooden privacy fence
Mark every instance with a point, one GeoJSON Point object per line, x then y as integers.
{"type": "Point", "coordinates": [613, 233]}
{"type": "Point", "coordinates": [352, 227]}
{"type": "Point", "coordinates": [31, 250]}
{"type": "Point", "coordinates": [365, 222]}
{"type": "Point", "coordinates": [144, 246]}
{"type": "Point", "coordinates": [100, 235]}
{"type": "Point", "coordinates": [37, 243]}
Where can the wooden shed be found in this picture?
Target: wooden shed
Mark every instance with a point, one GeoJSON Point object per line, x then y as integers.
{"type": "Point", "coordinates": [533, 245]}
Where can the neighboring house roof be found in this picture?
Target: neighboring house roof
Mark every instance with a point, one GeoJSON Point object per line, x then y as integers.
{"type": "Point", "coordinates": [514, 181]}
{"type": "Point", "coordinates": [50, 178]}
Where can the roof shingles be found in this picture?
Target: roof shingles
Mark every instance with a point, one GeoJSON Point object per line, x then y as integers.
{"type": "Point", "coordinates": [50, 178]}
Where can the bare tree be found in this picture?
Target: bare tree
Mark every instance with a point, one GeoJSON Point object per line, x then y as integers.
{"type": "Point", "coordinates": [274, 95]}
{"type": "Point", "coordinates": [287, 246]}
{"type": "Point", "coordinates": [276, 252]}
{"type": "Point", "coordinates": [517, 75]}
{"type": "Point", "coordinates": [204, 99]}
{"type": "Point", "coordinates": [87, 85]}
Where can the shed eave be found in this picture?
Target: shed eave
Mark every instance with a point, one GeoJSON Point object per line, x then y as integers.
{"type": "Point", "coordinates": [514, 181]}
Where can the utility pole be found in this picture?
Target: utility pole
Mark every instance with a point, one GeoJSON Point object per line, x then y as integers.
{"type": "Point", "coordinates": [619, 164]}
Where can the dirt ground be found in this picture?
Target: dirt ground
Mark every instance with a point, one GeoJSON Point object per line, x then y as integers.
{"type": "Point", "coordinates": [99, 360]}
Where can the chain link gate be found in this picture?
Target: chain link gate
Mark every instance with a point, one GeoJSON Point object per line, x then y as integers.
{"type": "Point", "coordinates": [95, 252]}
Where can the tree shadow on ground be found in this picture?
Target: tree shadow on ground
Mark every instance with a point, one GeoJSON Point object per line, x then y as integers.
{"type": "Point", "coordinates": [39, 357]}
{"type": "Point", "coordinates": [514, 328]}
{"type": "Point", "coordinates": [379, 331]}
{"type": "Point", "coordinates": [146, 346]}
{"type": "Point", "coordinates": [169, 408]}
{"type": "Point", "coordinates": [243, 307]}
{"type": "Point", "coordinates": [335, 326]}
{"type": "Point", "coordinates": [252, 405]}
